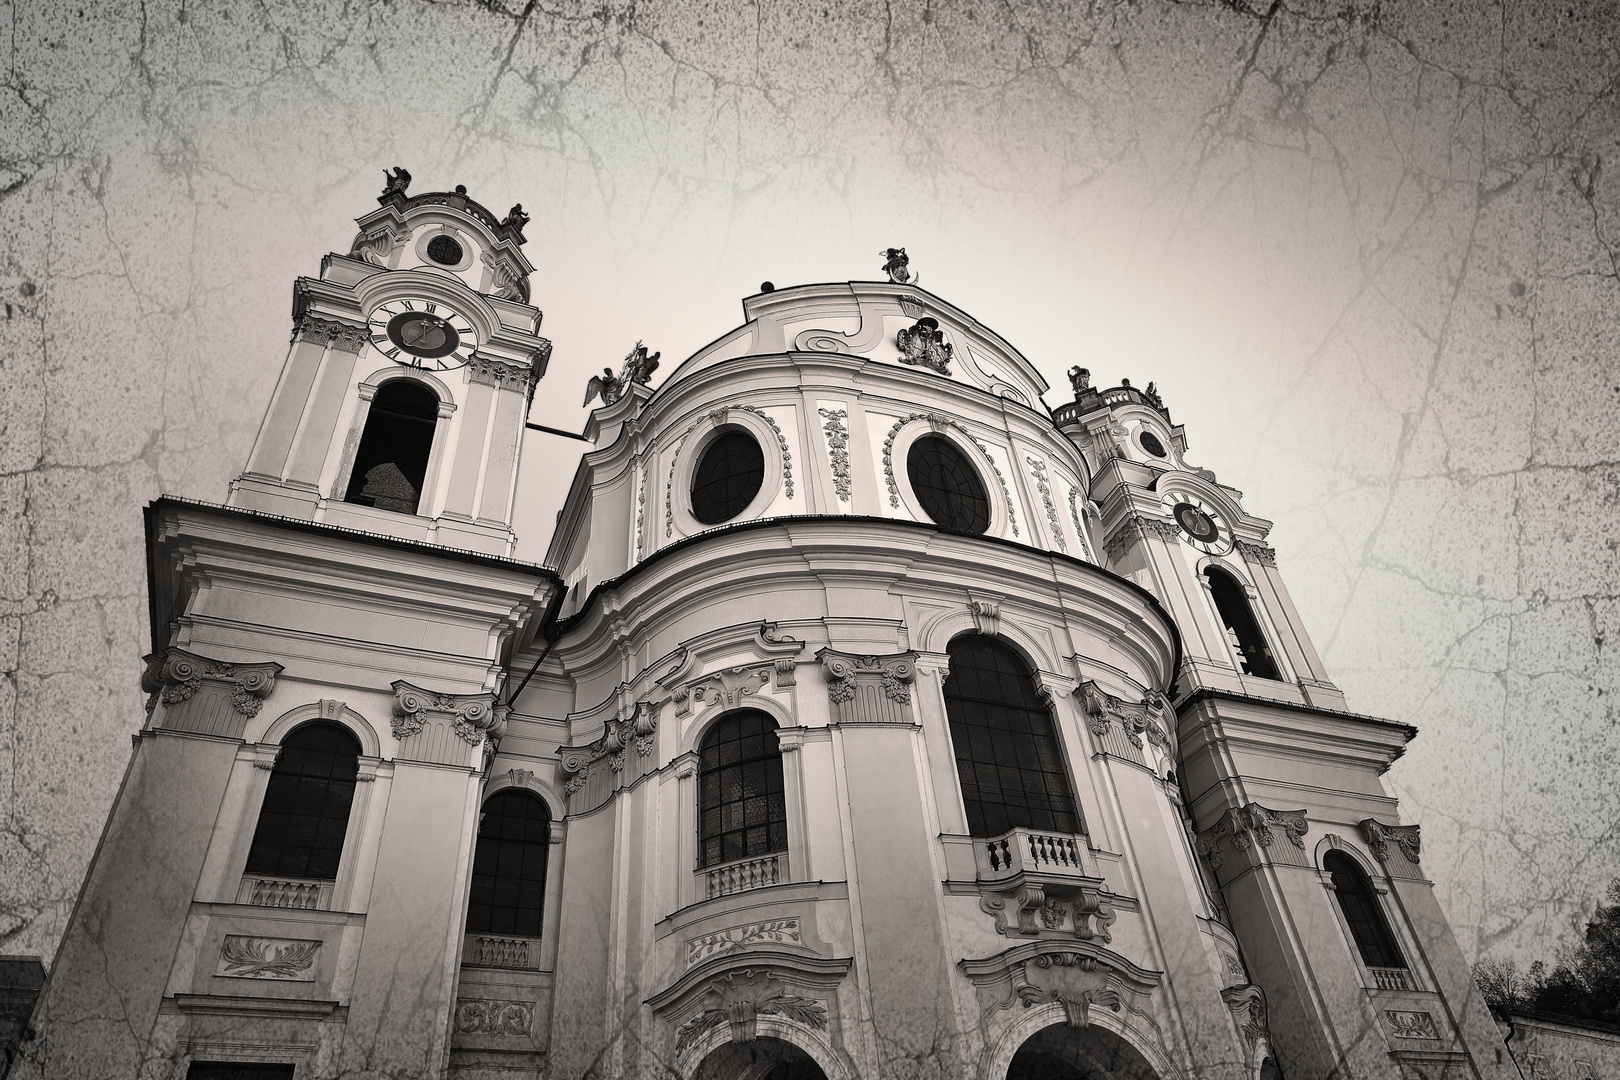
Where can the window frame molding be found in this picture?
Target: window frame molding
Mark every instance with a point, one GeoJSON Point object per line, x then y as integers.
{"type": "Point", "coordinates": [695, 442]}
{"type": "Point", "coordinates": [996, 491]}
{"type": "Point", "coordinates": [1379, 885]}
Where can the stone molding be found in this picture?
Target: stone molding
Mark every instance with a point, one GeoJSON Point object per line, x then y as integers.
{"type": "Point", "coordinates": [870, 688]}
{"type": "Point", "coordinates": [420, 715]}
{"type": "Point", "coordinates": [1077, 976]}
{"type": "Point", "coordinates": [1248, 1006]}
{"type": "Point", "coordinates": [334, 332]}
{"type": "Point", "coordinates": [1103, 710]}
{"type": "Point", "coordinates": [738, 987]}
{"type": "Point", "coordinates": [1408, 838]}
{"type": "Point", "coordinates": [206, 696]}
{"type": "Point", "coordinates": [491, 1016]}
{"type": "Point", "coordinates": [1248, 832]}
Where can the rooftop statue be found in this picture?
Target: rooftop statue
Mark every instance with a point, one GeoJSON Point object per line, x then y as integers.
{"type": "Point", "coordinates": [398, 181]}
{"type": "Point", "coordinates": [897, 266]}
{"type": "Point", "coordinates": [1080, 379]}
{"type": "Point", "coordinates": [638, 368]}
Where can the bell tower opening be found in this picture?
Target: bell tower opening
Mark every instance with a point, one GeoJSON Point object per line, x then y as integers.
{"type": "Point", "coordinates": [392, 460]}
{"type": "Point", "coordinates": [1242, 631]}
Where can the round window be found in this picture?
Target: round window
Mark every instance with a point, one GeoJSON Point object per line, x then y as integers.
{"type": "Point", "coordinates": [728, 477]}
{"type": "Point", "coordinates": [1151, 443]}
{"type": "Point", "coordinates": [947, 485]}
{"type": "Point", "coordinates": [444, 250]}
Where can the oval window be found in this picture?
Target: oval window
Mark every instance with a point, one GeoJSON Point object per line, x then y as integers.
{"type": "Point", "coordinates": [728, 477]}
{"type": "Point", "coordinates": [947, 485]}
{"type": "Point", "coordinates": [1151, 443]}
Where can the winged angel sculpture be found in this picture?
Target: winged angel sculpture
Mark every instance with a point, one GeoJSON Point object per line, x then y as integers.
{"type": "Point", "coordinates": [638, 368]}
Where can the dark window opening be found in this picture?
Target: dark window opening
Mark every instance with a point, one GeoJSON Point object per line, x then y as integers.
{"type": "Point", "coordinates": [1151, 443]}
{"type": "Point", "coordinates": [1242, 632]}
{"type": "Point", "coordinates": [444, 250]}
{"type": "Point", "coordinates": [306, 805]}
{"type": "Point", "coordinates": [508, 891]}
{"type": "Point", "coordinates": [239, 1070]}
{"type": "Point", "coordinates": [392, 461]}
{"type": "Point", "coordinates": [1008, 758]}
{"type": "Point", "coordinates": [947, 485]}
{"type": "Point", "coordinates": [727, 478]}
{"type": "Point", "coordinates": [742, 812]}
{"type": "Point", "coordinates": [1367, 926]}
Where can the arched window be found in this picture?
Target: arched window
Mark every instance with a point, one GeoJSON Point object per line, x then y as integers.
{"type": "Point", "coordinates": [392, 460]}
{"type": "Point", "coordinates": [947, 485]}
{"type": "Point", "coordinates": [1362, 913]}
{"type": "Point", "coordinates": [1007, 753]}
{"type": "Point", "coordinates": [306, 805]}
{"type": "Point", "coordinates": [509, 866]}
{"type": "Point", "coordinates": [742, 812]}
{"type": "Point", "coordinates": [1242, 632]}
{"type": "Point", "coordinates": [728, 477]}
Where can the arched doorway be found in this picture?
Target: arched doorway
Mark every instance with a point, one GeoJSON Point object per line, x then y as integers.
{"type": "Point", "coordinates": [760, 1059]}
{"type": "Point", "coordinates": [1062, 1052]}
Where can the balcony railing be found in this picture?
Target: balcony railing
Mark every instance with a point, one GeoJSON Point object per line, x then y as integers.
{"type": "Point", "coordinates": [1028, 851]}
{"type": "Point", "coordinates": [493, 950]}
{"type": "Point", "coordinates": [307, 894]}
{"type": "Point", "coordinates": [1391, 978]}
{"type": "Point", "coordinates": [755, 873]}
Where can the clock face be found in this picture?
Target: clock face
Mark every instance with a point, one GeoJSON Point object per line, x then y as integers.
{"type": "Point", "coordinates": [1201, 523]}
{"type": "Point", "coordinates": [423, 333]}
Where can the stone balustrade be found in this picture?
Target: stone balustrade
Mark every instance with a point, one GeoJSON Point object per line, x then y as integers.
{"type": "Point", "coordinates": [744, 874]}
{"type": "Point", "coordinates": [1030, 851]}
{"type": "Point", "coordinates": [307, 894]}
{"type": "Point", "coordinates": [498, 951]}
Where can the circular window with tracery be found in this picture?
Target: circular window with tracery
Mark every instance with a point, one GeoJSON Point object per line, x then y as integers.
{"type": "Point", "coordinates": [728, 477]}
{"type": "Point", "coordinates": [947, 485]}
{"type": "Point", "coordinates": [1150, 443]}
{"type": "Point", "coordinates": [444, 250]}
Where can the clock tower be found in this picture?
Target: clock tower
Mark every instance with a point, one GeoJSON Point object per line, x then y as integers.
{"type": "Point", "coordinates": [402, 401]}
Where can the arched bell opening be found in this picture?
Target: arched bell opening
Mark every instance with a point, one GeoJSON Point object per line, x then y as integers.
{"type": "Point", "coordinates": [761, 1058]}
{"type": "Point", "coordinates": [1065, 1052]}
{"type": "Point", "coordinates": [391, 464]}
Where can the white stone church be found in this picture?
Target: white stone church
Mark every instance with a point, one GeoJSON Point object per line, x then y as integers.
{"type": "Point", "coordinates": [868, 720]}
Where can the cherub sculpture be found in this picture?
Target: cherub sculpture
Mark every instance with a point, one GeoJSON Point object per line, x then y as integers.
{"type": "Point", "coordinates": [897, 266]}
{"type": "Point", "coordinates": [398, 181]}
{"type": "Point", "coordinates": [638, 368]}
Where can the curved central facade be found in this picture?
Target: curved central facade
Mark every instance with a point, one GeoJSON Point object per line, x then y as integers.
{"type": "Point", "coordinates": [875, 721]}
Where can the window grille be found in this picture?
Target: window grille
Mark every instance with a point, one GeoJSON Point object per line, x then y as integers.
{"type": "Point", "coordinates": [305, 813]}
{"type": "Point", "coordinates": [1356, 899]}
{"type": "Point", "coordinates": [947, 485]}
{"type": "Point", "coordinates": [728, 477]}
{"type": "Point", "coordinates": [742, 812]}
{"type": "Point", "coordinates": [508, 891]}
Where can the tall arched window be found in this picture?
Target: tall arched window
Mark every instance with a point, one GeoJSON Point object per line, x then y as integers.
{"type": "Point", "coordinates": [305, 813]}
{"type": "Point", "coordinates": [391, 463]}
{"type": "Point", "coordinates": [742, 812]}
{"type": "Point", "coordinates": [1242, 631]}
{"type": "Point", "coordinates": [1362, 913]}
{"type": "Point", "coordinates": [508, 891]}
{"type": "Point", "coordinates": [1007, 753]}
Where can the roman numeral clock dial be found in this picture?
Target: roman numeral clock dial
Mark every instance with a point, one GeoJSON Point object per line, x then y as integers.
{"type": "Point", "coordinates": [1201, 523]}
{"type": "Point", "coordinates": [423, 333]}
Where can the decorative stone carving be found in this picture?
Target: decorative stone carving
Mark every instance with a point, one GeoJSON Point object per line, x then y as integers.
{"type": "Point", "coordinates": [868, 688]}
{"type": "Point", "coordinates": [1103, 709]}
{"type": "Point", "coordinates": [520, 777]}
{"type": "Point", "coordinates": [641, 512]}
{"type": "Point", "coordinates": [939, 423]}
{"type": "Point", "coordinates": [282, 959]}
{"type": "Point", "coordinates": [395, 183]}
{"type": "Point", "coordinates": [506, 278]}
{"type": "Point", "coordinates": [923, 344]}
{"type": "Point", "coordinates": [1378, 837]}
{"type": "Point", "coordinates": [775, 931]}
{"type": "Point", "coordinates": [375, 246]}
{"type": "Point", "coordinates": [986, 616]}
{"type": "Point", "coordinates": [897, 265]}
{"type": "Point", "coordinates": [1136, 527]}
{"type": "Point", "coordinates": [1079, 380]}
{"type": "Point", "coordinates": [493, 1016]}
{"type": "Point", "coordinates": [334, 332]}
{"type": "Point", "coordinates": [175, 676]}
{"type": "Point", "coordinates": [488, 372]}
{"type": "Point", "coordinates": [739, 998]}
{"type": "Point", "coordinates": [614, 743]}
{"type": "Point", "coordinates": [1078, 975]}
{"type": "Point", "coordinates": [1079, 528]}
{"type": "Point", "coordinates": [1265, 556]}
{"type": "Point", "coordinates": [1086, 906]}
{"type": "Point", "coordinates": [637, 369]}
{"type": "Point", "coordinates": [1049, 977]}
{"type": "Point", "coordinates": [1248, 1005]}
{"type": "Point", "coordinates": [837, 449]}
{"type": "Point", "coordinates": [728, 686]}
{"type": "Point", "coordinates": [1245, 827]}
{"type": "Point", "coordinates": [1411, 1025]}
{"type": "Point", "coordinates": [781, 443]}
{"type": "Point", "coordinates": [1044, 486]}
{"type": "Point", "coordinates": [473, 717]}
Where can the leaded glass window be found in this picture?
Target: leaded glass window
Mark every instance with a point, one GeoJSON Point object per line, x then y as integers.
{"type": "Point", "coordinates": [305, 813]}
{"type": "Point", "coordinates": [728, 477]}
{"type": "Point", "coordinates": [1361, 911]}
{"type": "Point", "coordinates": [508, 890]}
{"type": "Point", "coordinates": [742, 812]}
{"type": "Point", "coordinates": [947, 485]}
{"type": "Point", "coordinates": [1008, 758]}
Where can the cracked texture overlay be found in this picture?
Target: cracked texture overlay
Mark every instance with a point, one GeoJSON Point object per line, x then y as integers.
{"type": "Point", "coordinates": [1370, 252]}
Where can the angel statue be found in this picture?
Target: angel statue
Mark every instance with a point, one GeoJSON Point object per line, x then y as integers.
{"type": "Point", "coordinates": [1080, 379]}
{"type": "Point", "coordinates": [399, 181]}
{"type": "Point", "coordinates": [638, 368]}
{"type": "Point", "coordinates": [896, 267]}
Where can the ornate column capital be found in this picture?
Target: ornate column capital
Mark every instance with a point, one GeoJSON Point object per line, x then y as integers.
{"type": "Point", "coordinates": [870, 688]}
{"type": "Point", "coordinates": [206, 696]}
{"type": "Point", "coordinates": [423, 720]}
{"type": "Point", "coordinates": [1407, 838]}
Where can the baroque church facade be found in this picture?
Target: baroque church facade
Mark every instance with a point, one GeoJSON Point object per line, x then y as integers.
{"type": "Point", "coordinates": [868, 719]}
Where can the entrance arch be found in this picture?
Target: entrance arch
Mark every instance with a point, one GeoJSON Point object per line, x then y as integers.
{"type": "Point", "coordinates": [758, 1059]}
{"type": "Point", "coordinates": [1043, 1045]}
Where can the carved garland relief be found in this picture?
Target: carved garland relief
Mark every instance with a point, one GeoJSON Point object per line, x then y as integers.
{"type": "Point", "coordinates": [1045, 488]}
{"type": "Point", "coordinates": [837, 449]}
{"type": "Point", "coordinates": [939, 423]}
{"type": "Point", "coordinates": [490, 1016]}
{"type": "Point", "coordinates": [773, 931]}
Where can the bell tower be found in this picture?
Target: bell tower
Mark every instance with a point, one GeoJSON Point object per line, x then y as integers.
{"type": "Point", "coordinates": [1281, 784]}
{"type": "Point", "coordinates": [403, 397]}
